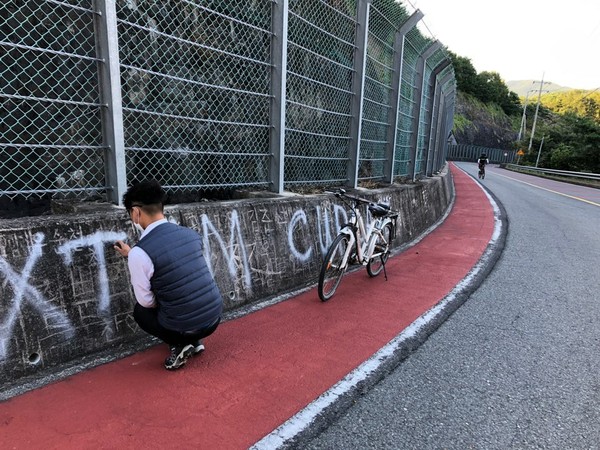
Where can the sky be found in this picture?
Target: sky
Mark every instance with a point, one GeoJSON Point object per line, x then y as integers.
{"type": "Point", "coordinates": [556, 40]}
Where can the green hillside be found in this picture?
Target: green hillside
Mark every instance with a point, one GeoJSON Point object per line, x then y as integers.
{"type": "Point", "coordinates": [522, 87]}
{"type": "Point", "coordinates": [489, 113]}
{"type": "Point", "coordinates": [577, 101]}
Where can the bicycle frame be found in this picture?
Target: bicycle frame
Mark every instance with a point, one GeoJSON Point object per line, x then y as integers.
{"type": "Point", "coordinates": [357, 234]}
{"type": "Point", "coordinates": [354, 229]}
{"type": "Point", "coordinates": [377, 225]}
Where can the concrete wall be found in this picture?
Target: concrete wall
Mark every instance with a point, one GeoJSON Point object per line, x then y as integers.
{"type": "Point", "coordinates": [65, 292]}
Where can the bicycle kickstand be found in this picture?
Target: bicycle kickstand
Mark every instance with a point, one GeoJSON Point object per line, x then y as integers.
{"type": "Point", "coordinates": [384, 272]}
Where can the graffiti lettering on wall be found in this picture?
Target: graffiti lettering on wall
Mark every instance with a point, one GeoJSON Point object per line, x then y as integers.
{"type": "Point", "coordinates": [235, 250]}
{"type": "Point", "coordinates": [230, 252]}
{"type": "Point", "coordinates": [324, 227]}
{"type": "Point", "coordinates": [302, 231]}
{"type": "Point", "coordinates": [24, 291]}
{"type": "Point", "coordinates": [298, 219]}
{"type": "Point", "coordinates": [324, 221]}
{"type": "Point", "coordinates": [98, 242]}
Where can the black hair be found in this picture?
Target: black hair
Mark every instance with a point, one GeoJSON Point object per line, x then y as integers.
{"type": "Point", "coordinates": [145, 193]}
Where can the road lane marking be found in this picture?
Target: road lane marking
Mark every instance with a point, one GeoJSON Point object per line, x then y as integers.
{"type": "Point", "coordinates": [550, 190]}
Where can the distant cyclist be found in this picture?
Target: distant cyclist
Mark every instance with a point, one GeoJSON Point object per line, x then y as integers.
{"type": "Point", "coordinates": [482, 162]}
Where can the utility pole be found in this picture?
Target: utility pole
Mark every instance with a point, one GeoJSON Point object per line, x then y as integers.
{"type": "Point", "coordinates": [539, 152]}
{"type": "Point", "coordinates": [524, 117]}
{"type": "Point", "coordinates": [537, 108]}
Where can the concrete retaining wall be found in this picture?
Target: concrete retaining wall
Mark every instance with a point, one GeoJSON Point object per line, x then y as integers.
{"type": "Point", "coordinates": [66, 295]}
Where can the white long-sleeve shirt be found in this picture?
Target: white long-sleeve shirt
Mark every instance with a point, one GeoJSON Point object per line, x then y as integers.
{"type": "Point", "coordinates": [141, 270]}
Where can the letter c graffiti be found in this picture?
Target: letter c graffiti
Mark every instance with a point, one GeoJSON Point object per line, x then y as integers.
{"type": "Point", "coordinates": [299, 216]}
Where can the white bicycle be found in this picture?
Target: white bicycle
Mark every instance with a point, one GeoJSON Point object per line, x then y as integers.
{"type": "Point", "coordinates": [356, 244]}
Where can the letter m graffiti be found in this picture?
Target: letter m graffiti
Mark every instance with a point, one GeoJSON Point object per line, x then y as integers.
{"type": "Point", "coordinates": [234, 252]}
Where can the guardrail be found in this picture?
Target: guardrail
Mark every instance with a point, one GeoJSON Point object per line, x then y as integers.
{"type": "Point", "coordinates": [562, 173]}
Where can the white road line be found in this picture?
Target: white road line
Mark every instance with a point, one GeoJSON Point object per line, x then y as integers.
{"type": "Point", "coordinates": [549, 190]}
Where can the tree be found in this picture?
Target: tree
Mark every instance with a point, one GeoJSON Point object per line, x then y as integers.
{"type": "Point", "coordinates": [487, 87]}
{"type": "Point", "coordinates": [492, 89]}
{"type": "Point", "coordinates": [465, 74]}
{"type": "Point", "coordinates": [591, 108]}
{"type": "Point", "coordinates": [572, 142]}
{"type": "Point", "coordinates": [561, 157]}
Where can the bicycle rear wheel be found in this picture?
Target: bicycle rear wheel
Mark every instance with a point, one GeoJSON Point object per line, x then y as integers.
{"type": "Point", "coordinates": [382, 251]}
{"type": "Point", "coordinates": [332, 270]}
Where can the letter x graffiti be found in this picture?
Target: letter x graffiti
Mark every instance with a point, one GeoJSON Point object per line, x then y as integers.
{"type": "Point", "coordinates": [22, 290]}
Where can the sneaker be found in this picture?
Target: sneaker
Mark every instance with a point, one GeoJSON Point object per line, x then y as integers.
{"type": "Point", "coordinates": [178, 356]}
{"type": "Point", "coordinates": [198, 347]}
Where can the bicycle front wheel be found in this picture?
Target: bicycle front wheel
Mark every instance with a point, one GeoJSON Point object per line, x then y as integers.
{"type": "Point", "coordinates": [332, 269]}
{"type": "Point", "coordinates": [381, 251]}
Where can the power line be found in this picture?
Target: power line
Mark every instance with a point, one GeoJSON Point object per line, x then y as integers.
{"type": "Point", "coordinates": [589, 93]}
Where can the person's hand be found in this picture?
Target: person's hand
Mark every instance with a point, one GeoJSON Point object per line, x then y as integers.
{"type": "Point", "coordinates": [122, 248]}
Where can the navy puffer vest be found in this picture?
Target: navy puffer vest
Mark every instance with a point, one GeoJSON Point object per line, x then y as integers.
{"type": "Point", "coordinates": [188, 297]}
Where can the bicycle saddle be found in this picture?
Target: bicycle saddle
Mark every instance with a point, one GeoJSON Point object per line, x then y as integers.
{"type": "Point", "coordinates": [379, 209]}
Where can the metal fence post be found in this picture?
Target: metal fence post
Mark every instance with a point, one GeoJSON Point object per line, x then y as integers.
{"type": "Point", "coordinates": [441, 114]}
{"type": "Point", "coordinates": [416, 125]}
{"type": "Point", "coordinates": [110, 94]}
{"type": "Point", "coordinates": [436, 115]}
{"type": "Point", "coordinates": [438, 150]}
{"type": "Point", "coordinates": [358, 87]}
{"type": "Point", "coordinates": [279, 40]}
{"type": "Point", "coordinates": [433, 108]}
{"type": "Point", "coordinates": [449, 124]}
{"type": "Point", "coordinates": [395, 95]}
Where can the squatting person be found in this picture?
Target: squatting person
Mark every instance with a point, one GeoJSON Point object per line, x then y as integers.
{"type": "Point", "coordinates": [178, 300]}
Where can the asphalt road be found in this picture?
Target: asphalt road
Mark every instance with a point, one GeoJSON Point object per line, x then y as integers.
{"type": "Point", "coordinates": [518, 365]}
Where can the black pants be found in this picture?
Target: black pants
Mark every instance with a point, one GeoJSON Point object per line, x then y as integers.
{"type": "Point", "coordinates": [147, 319]}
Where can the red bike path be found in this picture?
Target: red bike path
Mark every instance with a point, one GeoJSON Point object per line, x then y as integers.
{"type": "Point", "coordinates": [258, 370]}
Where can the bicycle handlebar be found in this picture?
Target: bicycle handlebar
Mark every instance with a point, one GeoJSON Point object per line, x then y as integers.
{"type": "Point", "coordinates": [342, 193]}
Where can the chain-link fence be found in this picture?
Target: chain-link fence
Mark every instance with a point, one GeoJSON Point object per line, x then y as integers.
{"type": "Point", "coordinates": [50, 137]}
{"type": "Point", "coordinates": [472, 153]}
{"type": "Point", "coordinates": [378, 96]}
{"type": "Point", "coordinates": [319, 93]}
{"type": "Point", "coordinates": [211, 95]}
{"type": "Point", "coordinates": [195, 83]}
